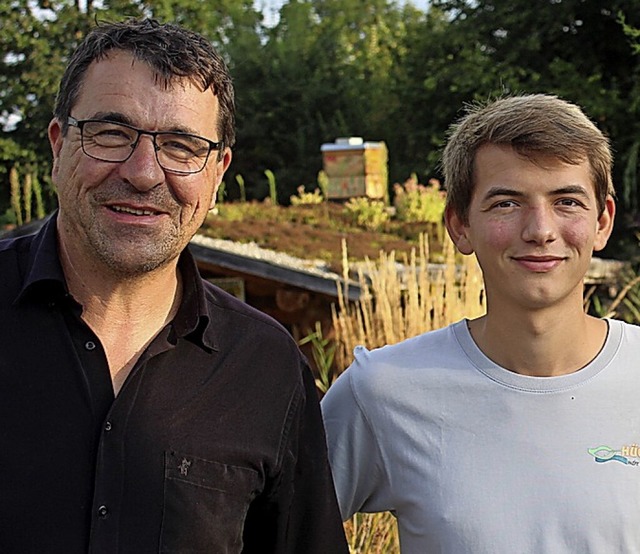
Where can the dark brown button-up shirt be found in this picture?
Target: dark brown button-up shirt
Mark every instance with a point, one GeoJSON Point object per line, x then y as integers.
{"type": "Point", "coordinates": [214, 443]}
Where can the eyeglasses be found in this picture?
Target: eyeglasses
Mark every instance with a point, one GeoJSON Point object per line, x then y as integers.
{"type": "Point", "coordinates": [176, 152]}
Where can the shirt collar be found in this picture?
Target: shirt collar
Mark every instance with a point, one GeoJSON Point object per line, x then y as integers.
{"type": "Point", "coordinates": [44, 277]}
{"type": "Point", "coordinates": [193, 319]}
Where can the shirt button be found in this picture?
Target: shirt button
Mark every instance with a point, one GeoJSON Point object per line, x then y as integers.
{"type": "Point", "coordinates": [103, 512]}
{"type": "Point", "coordinates": [107, 426]}
{"type": "Point", "coordinates": [90, 345]}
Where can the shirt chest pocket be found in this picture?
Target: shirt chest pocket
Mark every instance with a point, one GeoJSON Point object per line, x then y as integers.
{"type": "Point", "coordinates": [205, 504]}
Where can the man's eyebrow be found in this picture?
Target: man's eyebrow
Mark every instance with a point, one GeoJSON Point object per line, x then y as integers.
{"type": "Point", "coordinates": [571, 189]}
{"type": "Point", "coordinates": [502, 191]}
{"type": "Point", "coordinates": [116, 117]}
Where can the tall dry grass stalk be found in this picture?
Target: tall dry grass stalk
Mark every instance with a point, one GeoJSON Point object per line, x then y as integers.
{"type": "Point", "coordinates": [23, 193]}
{"type": "Point", "coordinates": [399, 301]}
{"type": "Point", "coordinates": [402, 300]}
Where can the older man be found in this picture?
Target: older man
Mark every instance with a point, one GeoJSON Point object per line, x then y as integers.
{"type": "Point", "coordinates": [144, 410]}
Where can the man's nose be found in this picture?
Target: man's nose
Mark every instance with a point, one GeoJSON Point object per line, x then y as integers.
{"type": "Point", "coordinates": [142, 169]}
{"type": "Point", "coordinates": [539, 225]}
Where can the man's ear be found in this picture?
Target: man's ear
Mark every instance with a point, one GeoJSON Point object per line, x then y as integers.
{"type": "Point", "coordinates": [458, 231]}
{"type": "Point", "coordinates": [605, 224]}
{"type": "Point", "coordinates": [55, 140]}
{"type": "Point", "coordinates": [222, 166]}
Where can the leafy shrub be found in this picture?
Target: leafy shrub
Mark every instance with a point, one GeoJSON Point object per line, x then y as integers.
{"type": "Point", "coordinates": [305, 198]}
{"type": "Point", "coordinates": [367, 213]}
{"type": "Point", "coordinates": [323, 183]}
{"type": "Point", "coordinates": [229, 211]}
{"type": "Point", "coordinates": [419, 203]}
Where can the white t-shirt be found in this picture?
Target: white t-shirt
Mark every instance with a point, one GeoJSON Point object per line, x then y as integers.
{"type": "Point", "coordinates": [473, 458]}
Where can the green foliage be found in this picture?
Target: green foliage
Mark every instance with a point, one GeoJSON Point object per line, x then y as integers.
{"type": "Point", "coordinates": [273, 189]}
{"type": "Point", "coordinates": [550, 47]}
{"type": "Point", "coordinates": [631, 302]}
{"type": "Point", "coordinates": [323, 351]}
{"type": "Point", "coordinates": [629, 196]}
{"type": "Point", "coordinates": [230, 211]}
{"type": "Point", "coordinates": [633, 33]}
{"type": "Point", "coordinates": [323, 183]}
{"type": "Point", "coordinates": [366, 213]}
{"type": "Point", "coordinates": [382, 69]}
{"type": "Point", "coordinates": [305, 198]}
{"type": "Point", "coordinates": [243, 192]}
{"type": "Point", "coordinates": [35, 41]}
{"type": "Point", "coordinates": [221, 195]}
{"type": "Point", "coordinates": [625, 305]}
{"type": "Point", "coordinates": [415, 202]}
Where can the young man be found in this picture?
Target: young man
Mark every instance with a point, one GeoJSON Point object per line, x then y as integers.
{"type": "Point", "coordinates": [142, 409]}
{"type": "Point", "coordinates": [517, 431]}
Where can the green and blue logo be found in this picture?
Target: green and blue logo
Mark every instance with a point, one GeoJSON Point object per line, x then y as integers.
{"type": "Point", "coordinates": [628, 454]}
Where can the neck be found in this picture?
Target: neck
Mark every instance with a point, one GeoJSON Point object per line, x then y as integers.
{"type": "Point", "coordinates": [126, 314]}
{"type": "Point", "coordinates": [546, 343]}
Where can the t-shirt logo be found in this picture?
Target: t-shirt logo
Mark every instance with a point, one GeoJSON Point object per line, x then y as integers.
{"type": "Point", "coordinates": [628, 454]}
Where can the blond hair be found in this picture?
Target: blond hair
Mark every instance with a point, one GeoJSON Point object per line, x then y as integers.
{"type": "Point", "coordinates": [533, 125]}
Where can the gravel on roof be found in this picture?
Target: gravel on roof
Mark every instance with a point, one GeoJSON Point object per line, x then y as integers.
{"type": "Point", "coordinates": [252, 250]}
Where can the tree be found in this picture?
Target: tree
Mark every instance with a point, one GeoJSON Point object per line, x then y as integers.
{"type": "Point", "coordinates": [574, 48]}
{"type": "Point", "coordinates": [332, 68]}
{"type": "Point", "coordinates": [36, 39]}
{"type": "Point", "coordinates": [327, 69]}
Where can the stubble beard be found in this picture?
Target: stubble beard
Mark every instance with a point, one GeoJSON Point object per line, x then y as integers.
{"type": "Point", "coordinates": [129, 256]}
{"type": "Point", "coordinates": [135, 251]}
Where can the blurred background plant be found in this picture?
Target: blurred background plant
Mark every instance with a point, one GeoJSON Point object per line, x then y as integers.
{"type": "Point", "coordinates": [367, 213]}
{"type": "Point", "coordinates": [243, 192]}
{"type": "Point", "coordinates": [323, 352]}
{"type": "Point", "coordinates": [304, 198]}
{"type": "Point", "coordinates": [323, 183]}
{"type": "Point", "coordinates": [415, 202]}
{"type": "Point", "coordinates": [26, 196]}
{"type": "Point", "coordinates": [418, 203]}
{"type": "Point", "coordinates": [622, 299]}
{"type": "Point", "coordinates": [273, 188]}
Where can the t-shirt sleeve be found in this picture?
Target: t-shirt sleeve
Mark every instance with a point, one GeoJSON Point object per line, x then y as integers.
{"type": "Point", "coordinates": [354, 452]}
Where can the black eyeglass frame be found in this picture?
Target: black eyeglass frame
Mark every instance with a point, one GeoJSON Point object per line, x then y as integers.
{"type": "Point", "coordinates": [80, 123]}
